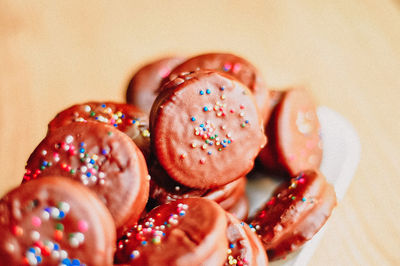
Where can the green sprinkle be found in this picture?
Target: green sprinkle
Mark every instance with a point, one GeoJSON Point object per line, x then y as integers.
{"type": "Point", "coordinates": [60, 227]}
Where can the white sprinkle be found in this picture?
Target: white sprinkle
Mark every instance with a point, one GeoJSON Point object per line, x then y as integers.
{"type": "Point", "coordinates": [73, 242]}
{"type": "Point", "coordinates": [101, 175]}
{"type": "Point", "coordinates": [10, 247]}
{"type": "Point", "coordinates": [83, 169]}
{"type": "Point", "coordinates": [93, 178]}
{"type": "Point", "coordinates": [44, 152]}
{"type": "Point", "coordinates": [63, 254]}
{"type": "Point", "coordinates": [87, 108]}
{"type": "Point", "coordinates": [65, 207]}
{"type": "Point", "coordinates": [35, 235]}
{"type": "Point", "coordinates": [69, 139]}
{"type": "Point", "coordinates": [80, 237]}
{"type": "Point", "coordinates": [55, 254]}
{"type": "Point", "coordinates": [45, 215]}
{"type": "Point", "coordinates": [55, 212]}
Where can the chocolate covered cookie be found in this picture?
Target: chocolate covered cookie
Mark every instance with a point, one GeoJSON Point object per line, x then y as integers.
{"type": "Point", "coordinates": [206, 129]}
{"type": "Point", "coordinates": [184, 232]}
{"type": "Point", "coordinates": [55, 221]}
{"type": "Point", "coordinates": [295, 213]}
{"type": "Point", "coordinates": [101, 158]}
{"type": "Point", "coordinates": [144, 85]}
{"type": "Point", "coordinates": [294, 134]}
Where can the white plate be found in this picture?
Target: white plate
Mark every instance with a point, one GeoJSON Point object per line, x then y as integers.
{"type": "Point", "coordinates": [341, 155]}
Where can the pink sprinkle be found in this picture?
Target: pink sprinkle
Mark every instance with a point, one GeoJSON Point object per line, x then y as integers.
{"type": "Point", "coordinates": [36, 221]}
{"type": "Point", "coordinates": [236, 67]}
{"type": "Point", "coordinates": [82, 226]}
{"type": "Point", "coordinates": [164, 72]}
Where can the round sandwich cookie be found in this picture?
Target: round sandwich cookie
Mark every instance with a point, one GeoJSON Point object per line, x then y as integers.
{"type": "Point", "coordinates": [100, 157]}
{"type": "Point", "coordinates": [233, 65]}
{"type": "Point", "coordinates": [184, 232]}
{"type": "Point", "coordinates": [294, 135]}
{"type": "Point", "coordinates": [127, 118]}
{"type": "Point", "coordinates": [295, 213]}
{"type": "Point", "coordinates": [206, 129]}
{"type": "Point", "coordinates": [244, 247]}
{"type": "Point", "coordinates": [144, 85]}
{"type": "Point", "coordinates": [163, 189]}
{"type": "Point", "coordinates": [55, 221]}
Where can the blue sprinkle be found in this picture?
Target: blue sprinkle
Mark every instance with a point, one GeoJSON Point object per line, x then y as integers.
{"type": "Point", "coordinates": [82, 144]}
{"type": "Point", "coordinates": [205, 108]}
{"type": "Point", "coordinates": [103, 105]}
{"type": "Point", "coordinates": [39, 259]}
{"type": "Point", "coordinates": [201, 125]}
{"type": "Point", "coordinates": [122, 116]}
{"type": "Point", "coordinates": [61, 215]}
{"type": "Point", "coordinates": [66, 261]}
{"type": "Point", "coordinates": [133, 121]}
{"type": "Point", "coordinates": [32, 250]}
{"type": "Point", "coordinates": [56, 247]}
{"type": "Point", "coordinates": [144, 243]}
{"type": "Point", "coordinates": [92, 161]}
{"type": "Point", "coordinates": [204, 129]}
{"type": "Point", "coordinates": [82, 150]}
{"type": "Point", "coordinates": [115, 125]}
{"type": "Point", "coordinates": [193, 119]}
{"type": "Point", "coordinates": [132, 256]}
{"type": "Point", "coordinates": [201, 92]}
{"type": "Point", "coordinates": [247, 121]}
{"type": "Point", "coordinates": [47, 210]}
{"type": "Point", "coordinates": [103, 151]}
{"type": "Point", "coordinates": [163, 234]}
{"type": "Point", "coordinates": [45, 163]}
{"type": "Point", "coordinates": [250, 225]}
{"type": "Point", "coordinates": [208, 91]}
{"type": "Point", "coordinates": [222, 88]}
{"type": "Point", "coordinates": [229, 142]}
{"type": "Point", "coordinates": [242, 223]}
{"type": "Point", "coordinates": [97, 118]}
{"type": "Point", "coordinates": [209, 153]}
{"type": "Point", "coordinates": [165, 223]}
{"type": "Point", "coordinates": [88, 174]}
{"type": "Point", "coordinates": [181, 213]}
{"type": "Point", "coordinates": [75, 262]}
{"type": "Point", "coordinates": [231, 245]}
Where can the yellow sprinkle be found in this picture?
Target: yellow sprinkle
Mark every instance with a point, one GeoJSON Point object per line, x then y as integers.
{"type": "Point", "coordinates": [145, 133]}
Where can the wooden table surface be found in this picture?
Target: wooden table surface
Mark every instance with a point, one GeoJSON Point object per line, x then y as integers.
{"type": "Point", "coordinates": [347, 52]}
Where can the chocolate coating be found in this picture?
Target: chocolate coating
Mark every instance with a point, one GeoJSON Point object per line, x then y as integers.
{"type": "Point", "coordinates": [294, 135]}
{"type": "Point", "coordinates": [143, 87]}
{"type": "Point", "coordinates": [102, 158]}
{"type": "Point", "coordinates": [163, 189]}
{"type": "Point", "coordinates": [241, 208]}
{"type": "Point", "coordinates": [127, 118]}
{"type": "Point", "coordinates": [233, 65]}
{"type": "Point", "coordinates": [172, 234]}
{"type": "Point", "coordinates": [206, 130]}
{"type": "Point", "coordinates": [53, 220]}
{"type": "Point", "coordinates": [244, 247]}
{"type": "Point", "coordinates": [295, 213]}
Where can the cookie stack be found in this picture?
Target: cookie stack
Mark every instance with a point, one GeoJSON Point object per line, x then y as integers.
{"type": "Point", "coordinates": [160, 180]}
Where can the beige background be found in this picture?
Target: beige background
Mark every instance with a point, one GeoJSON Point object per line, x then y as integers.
{"type": "Point", "coordinates": [347, 52]}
